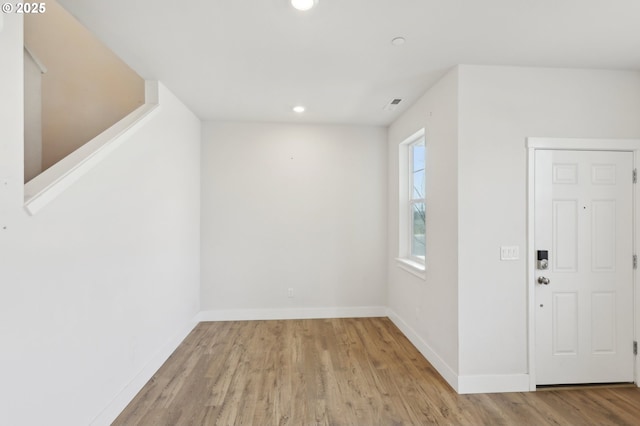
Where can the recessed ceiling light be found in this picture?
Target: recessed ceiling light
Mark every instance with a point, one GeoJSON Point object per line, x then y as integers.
{"type": "Point", "coordinates": [398, 41]}
{"type": "Point", "coordinates": [299, 109]}
{"type": "Point", "coordinates": [303, 4]}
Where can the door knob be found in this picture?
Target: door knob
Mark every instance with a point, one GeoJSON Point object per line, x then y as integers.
{"type": "Point", "coordinates": [543, 280]}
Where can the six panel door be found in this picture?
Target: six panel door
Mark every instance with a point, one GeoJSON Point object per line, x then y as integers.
{"type": "Point", "coordinates": [584, 315]}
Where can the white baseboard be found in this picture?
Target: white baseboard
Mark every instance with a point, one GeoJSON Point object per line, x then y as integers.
{"type": "Point", "coordinates": [493, 383]}
{"type": "Point", "coordinates": [462, 384]}
{"type": "Point", "coordinates": [438, 363]}
{"type": "Point", "coordinates": [292, 313]}
{"type": "Point", "coordinates": [126, 395]}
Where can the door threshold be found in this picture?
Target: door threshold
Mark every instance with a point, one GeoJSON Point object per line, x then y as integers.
{"type": "Point", "coordinates": [585, 386]}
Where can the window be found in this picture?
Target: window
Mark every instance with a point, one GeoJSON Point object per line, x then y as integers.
{"type": "Point", "coordinates": [412, 208]}
{"type": "Point", "coordinates": [416, 200]}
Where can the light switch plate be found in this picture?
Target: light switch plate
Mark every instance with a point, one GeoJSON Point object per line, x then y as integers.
{"type": "Point", "coordinates": [509, 253]}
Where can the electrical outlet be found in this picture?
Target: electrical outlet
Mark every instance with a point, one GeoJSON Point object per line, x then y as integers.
{"type": "Point", "coordinates": [290, 292]}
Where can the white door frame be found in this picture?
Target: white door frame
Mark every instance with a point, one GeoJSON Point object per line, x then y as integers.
{"type": "Point", "coordinates": [533, 144]}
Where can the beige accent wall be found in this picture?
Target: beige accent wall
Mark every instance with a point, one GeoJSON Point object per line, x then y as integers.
{"type": "Point", "coordinates": [32, 118]}
{"type": "Point", "coordinates": [86, 89]}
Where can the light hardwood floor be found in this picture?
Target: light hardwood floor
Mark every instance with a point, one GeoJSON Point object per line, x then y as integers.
{"type": "Point", "coordinates": [340, 372]}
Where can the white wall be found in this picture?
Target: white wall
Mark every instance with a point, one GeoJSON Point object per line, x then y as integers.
{"type": "Point", "coordinates": [93, 286]}
{"type": "Point", "coordinates": [427, 310]}
{"type": "Point", "coordinates": [499, 108]}
{"type": "Point", "coordinates": [469, 317]}
{"type": "Point", "coordinates": [293, 206]}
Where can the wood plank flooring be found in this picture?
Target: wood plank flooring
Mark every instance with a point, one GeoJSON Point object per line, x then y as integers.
{"type": "Point", "coordinates": [340, 372]}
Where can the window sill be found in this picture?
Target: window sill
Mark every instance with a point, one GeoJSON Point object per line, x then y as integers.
{"type": "Point", "coordinates": [412, 267]}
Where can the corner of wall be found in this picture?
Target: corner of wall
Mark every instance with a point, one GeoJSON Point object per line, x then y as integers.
{"type": "Point", "coordinates": [427, 351]}
{"type": "Point", "coordinates": [131, 389]}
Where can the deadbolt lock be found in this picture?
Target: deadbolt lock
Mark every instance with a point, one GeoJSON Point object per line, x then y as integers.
{"type": "Point", "coordinates": [543, 259]}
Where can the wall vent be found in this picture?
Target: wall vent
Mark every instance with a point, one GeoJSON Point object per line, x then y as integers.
{"type": "Point", "coordinates": [393, 104]}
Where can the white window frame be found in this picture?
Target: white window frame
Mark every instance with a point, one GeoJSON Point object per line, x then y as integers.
{"type": "Point", "coordinates": [405, 260]}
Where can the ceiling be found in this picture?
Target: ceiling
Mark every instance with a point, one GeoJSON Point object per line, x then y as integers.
{"type": "Point", "coordinates": [253, 60]}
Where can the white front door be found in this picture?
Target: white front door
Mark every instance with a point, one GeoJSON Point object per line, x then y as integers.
{"type": "Point", "coordinates": [584, 300]}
